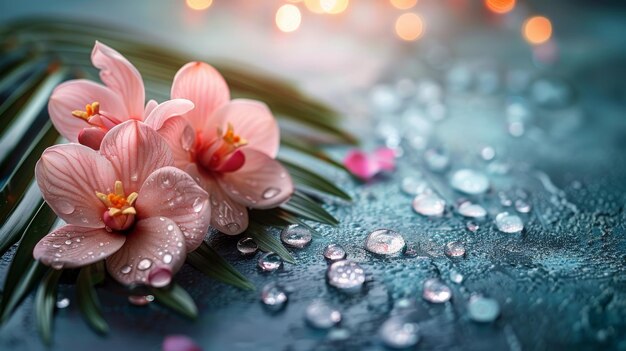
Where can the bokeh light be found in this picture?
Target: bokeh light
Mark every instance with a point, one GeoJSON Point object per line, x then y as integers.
{"type": "Point", "coordinates": [199, 5]}
{"type": "Point", "coordinates": [403, 4]}
{"type": "Point", "coordinates": [500, 6]}
{"type": "Point", "coordinates": [288, 18]}
{"type": "Point", "coordinates": [409, 26]}
{"type": "Point", "coordinates": [314, 6]}
{"type": "Point", "coordinates": [334, 7]}
{"type": "Point", "coordinates": [537, 30]}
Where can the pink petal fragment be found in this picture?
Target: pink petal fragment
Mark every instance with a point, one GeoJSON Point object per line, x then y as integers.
{"type": "Point", "coordinates": [205, 87]}
{"type": "Point", "coordinates": [172, 193]}
{"type": "Point", "coordinates": [74, 95]}
{"type": "Point", "coordinates": [180, 343]}
{"type": "Point", "coordinates": [150, 105]}
{"type": "Point", "coordinates": [361, 165]}
{"type": "Point", "coordinates": [233, 163]}
{"type": "Point", "coordinates": [167, 110]}
{"type": "Point", "coordinates": [69, 176]}
{"type": "Point", "coordinates": [262, 182]}
{"type": "Point", "coordinates": [121, 76]}
{"type": "Point", "coordinates": [251, 120]}
{"type": "Point", "coordinates": [74, 246]}
{"type": "Point", "coordinates": [180, 137]}
{"type": "Point", "coordinates": [386, 158]}
{"type": "Point", "coordinates": [153, 243]}
{"type": "Point", "coordinates": [227, 215]}
{"type": "Point", "coordinates": [135, 151]}
{"type": "Point", "coordinates": [91, 137]}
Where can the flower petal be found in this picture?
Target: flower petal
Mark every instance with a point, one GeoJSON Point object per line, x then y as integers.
{"type": "Point", "coordinates": [135, 150]}
{"type": "Point", "coordinates": [121, 76]}
{"type": "Point", "coordinates": [167, 110]}
{"type": "Point", "coordinates": [154, 243]}
{"type": "Point", "coordinates": [172, 193]}
{"type": "Point", "coordinates": [251, 120]}
{"type": "Point", "coordinates": [180, 343]}
{"type": "Point", "coordinates": [227, 215]}
{"type": "Point", "coordinates": [180, 137]}
{"type": "Point", "coordinates": [361, 165]}
{"type": "Point", "coordinates": [261, 182]}
{"type": "Point", "coordinates": [150, 105]}
{"type": "Point", "coordinates": [205, 87]}
{"type": "Point", "coordinates": [386, 158]}
{"type": "Point", "coordinates": [69, 176]}
{"type": "Point", "coordinates": [74, 95]}
{"type": "Point", "coordinates": [74, 246]}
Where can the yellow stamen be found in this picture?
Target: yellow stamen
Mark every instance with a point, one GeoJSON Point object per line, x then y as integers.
{"type": "Point", "coordinates": [90, 110]}
{"type": "Point", "coordinates": [231, 138]}
{"type": "Point", "coordinates": [117, 202]}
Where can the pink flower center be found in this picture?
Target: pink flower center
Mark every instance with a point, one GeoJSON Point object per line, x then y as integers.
{"type": "Point", "coordinates": [99, 124]}
{"type": "Point", "coordinates": [222, 154]}
{"type": "Point", "coordinates": [120, 213]}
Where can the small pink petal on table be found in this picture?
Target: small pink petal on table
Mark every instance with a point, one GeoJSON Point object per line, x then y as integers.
{"type": "Point", "coordinates": [180, 343]}
{"type": "Point", "coordinates": [361, 165]}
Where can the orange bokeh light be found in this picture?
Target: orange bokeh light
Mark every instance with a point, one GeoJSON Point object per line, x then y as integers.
{"type": "Point", "coordinates": [334, 7]}
{"type": "Point", "coordinates": [314, 6]}
{"type": "Point", "coordinates": [500, 6]}
{"type": "Point", "coordinates": [288, 18]}
{"type": "Point", "coordinates": [199, 5]}
{"type": "Point", "coordinates": [409, 26]}
{"type": "Point", "coordinates": [537, 30]}
{"type": "Point", "coordinates": [403, 4]}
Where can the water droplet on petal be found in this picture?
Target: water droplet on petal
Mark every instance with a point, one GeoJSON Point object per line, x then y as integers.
{"type": "Point", "coordinates": [334, 252]}
{"type": "Point", "coordinates": [385, 242]}
{"type": "Point", "coordinates": [469, 181]}
{"type": "Point", "coordinates": [400, 331]}
{"type": "Point", "coordinates": [63, 303]}
{"type": "Point", "coordinates": [166, 183]}
{"type": "Point", "coordinates": [170, 227]}
{"type": "Point", "coordinates": [454, 249]}
{"type": "Point", "coordinates": [125, 269]}
{"type": "Point", "coordinates": [68, 242]}
{"type": "Point", "coordinates": [273, 296]}
{"type": "Point", "coordinates": [321, 315]}
{"type": "Point", "coordinates": [65, 207]}
{"type": "Point", "coordinates": [269, 262]}
{"type": "Point", "coordinates": [429, 204]}
{"type": "Point", "coordinates": [167, 258]}
{"type": "Point", "coordinates": [346, 276]}
{"type": "Point", "coordinates": [144, 264]}
{"type": "Point", "coordinates": [296, 235]}
{"type": "Point", "coordinates": [247, 246]}
{"type": "Point", "coordinates": [198, 205]}
{"type": "Point", "coordinates": [160, 276]}
{"type": "Point", "coordinates": [270, 192]}
{"type": "Point", "coordinates": [483, 309]}
{"type": "Point", "coordinates": [509, 223]}
{"type": "Point", "coordinates": [435, 291]}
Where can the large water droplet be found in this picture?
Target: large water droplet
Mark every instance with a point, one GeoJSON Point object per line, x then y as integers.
{"type": "Point", "coordinates": [269, 262]}
{"type": "Point", "coordinates": [400, 331]}
{"type": "Point", "coordinates": [435, 291]}
{"type": "Point", "coordinates": [247, 246]}
{"type": "Point", "coordinates": [437, 160]}
{"type": "Point", "coordinates": [273, 296]}
{"type": "Point", "coordinates": [125, 269]}
{"type": "Point", "coordinates": [385, 242]}
{"type": "Point", "coordinates": [413, 185]}
{"type": "Point", "coordinates": [471, 210]}
{"type": "Point", "coordinates": [321, 315]}
{"type": "Point", "coordinates": [198, 205]}
{"type": "Point", "coordinates": [454, 249]}
{"type": "Point", "coordinates": [483, 309]}
{"type": "Point", "coordinates": [63, 303]}
{"type": "Point", "coordinates": [144, 264]}
{"type": "Point", "coordinates": [346, 276]}
{"type": "Point", "coordinates": [469, 181]}
{"type": "Point", "coordinates": [509, 223]}
{"type": "Point", "coordinates": [429, 204]}
{"type": "Point", "coordinates": [167, 258]}
{"type": "Point", "coordinates": [334, 252]}
{"type": "Point", "coordinates": [160, 277]}
{"type": "Point", "coordinates": [270, 192]}
{"type": "Point", "coordinates": [65, 207]}
{"type": "Point", "coordinates": [296, 235]}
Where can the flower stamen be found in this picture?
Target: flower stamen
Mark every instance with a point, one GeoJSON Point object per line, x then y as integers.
{"type": "Point", "coordinates": [118, 203]}
{"type": "Point", "coordinates": [90, 110]}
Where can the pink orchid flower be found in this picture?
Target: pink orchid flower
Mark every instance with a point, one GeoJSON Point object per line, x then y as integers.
{"type": "Point", "coordinates": [84, 111]}
{"type": "Point", "coordinates": [124, 203]}
{"type": "Point", "coordinates": [366, 166]}
{"type": "Point", "coordinates": [228, 146]}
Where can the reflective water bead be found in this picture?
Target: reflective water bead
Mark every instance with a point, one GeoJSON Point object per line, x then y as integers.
{"type": "Point", "coordinates": [247, 246]}
{"type": "Point", "coordinates": [456, 277]}
{"type": "Point", "coordinates": [509, 223]}
{"type": "Point", "coordinates": [487, 153]}
{"type": "Point", "coordinates": [63, 303]}
{"type": "Point", "coordinates": [296, 235]}
{"type": "Point", "coordinates": [385, 242]}
{"type": "Point", "coordinates": [483, 309]}
{"type": "Point", "coordinates": [321, 315]}
{"type": "Point", "coordinates": [413, 185]}
{"type": "Point", "coordinates": [454, 249]}
{"type": "Point", "coordinates": [469, 181]}
{"type": "Point", "coordinates": [436, 291]}
{"type": "Point", "coordinates": [400, 331]}
{"type": "Point", "coordinates": [273, 296]}
{"type": "Point", "coordinates": [346, 276]}
{"type": "Point", "coordinates": [472, 226]}
{"type": "Point", "coordinates": [334, 252]}
{"type": "Point", "coordinates": [522, 206]}
{"type": "Point", "coordinates": [429, 204]}
{"type": "Point", "coordinates": [269, 262]}
{"type": "Point", "coordinates": [471, 210]}
{"type": "Point", "coordinates": [437, 160]}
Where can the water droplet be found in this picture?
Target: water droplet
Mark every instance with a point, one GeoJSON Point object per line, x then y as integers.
{"type": "Point", "coordinates": [125, 269]}
{"type": "Point", "coordinates": [435, 291]}
{"type": "Point", "coordinates": [269, 262]}
{"type": "Point", "coordinates": [296, 236]}
{"type": "Point", "coordinates": [437, 160]}
{"type": "Point", "coordinates": [65, 207]}
{"type": "Point", "coordinates": [522, 206]}
{"type": "Point", "coordinates": [346, 276]}
{"type": "Point", "coordinates": [63, 303]}
{"type": "Point", "coordinates": [471, 210]}
{"type": "Point", "coordinates": [509, 223]}
{"type": "Point", "coordinates": [270, 192]}
{"type": "Point", "coordinates": [68, 242]}
{"type": "Point", "coordinates": [456, 277]}
{"type": "Point", "coordinates": [454, 249]}
{"type": "Point", "coordinates": [160, 276]}
{"type": "Point", "coordinates": [134, 177]}
{"type": "Point", "coordinates": [166, 183]}
{"type": "Point", "coordinates": [429, 204]}
{"type": "Point", "coordinates": [144, 264]}
{"type": "Point", "coordinates": [198, 205]}
{"type": "Point", "coordinates": [167, 258]}
{"type": "Point", "coordinates": [321, 315]}
{"type": "Point", "coordinates": [483, 309]}
{"type": "Point", "coordinates": [472, 226]}
{"type": "Point", "coordinates": [487, 153]}
{"type": "Point", "coordinates": [247, 246]}
{"type": "Point", "coordinates": [413, 185]}
{"type": "Point", "coordinates": [400, 331]}
{"type": "Point", "coordinates": [334, 252]}
{"type": "Point", "coordinates": [140, 300]}
{"type": "Point", "coordinates": [469, 181]}
{"type": "Point", "coordinates": [273, 296]}
{"type": "Point", "coordinates": [385, 242]}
